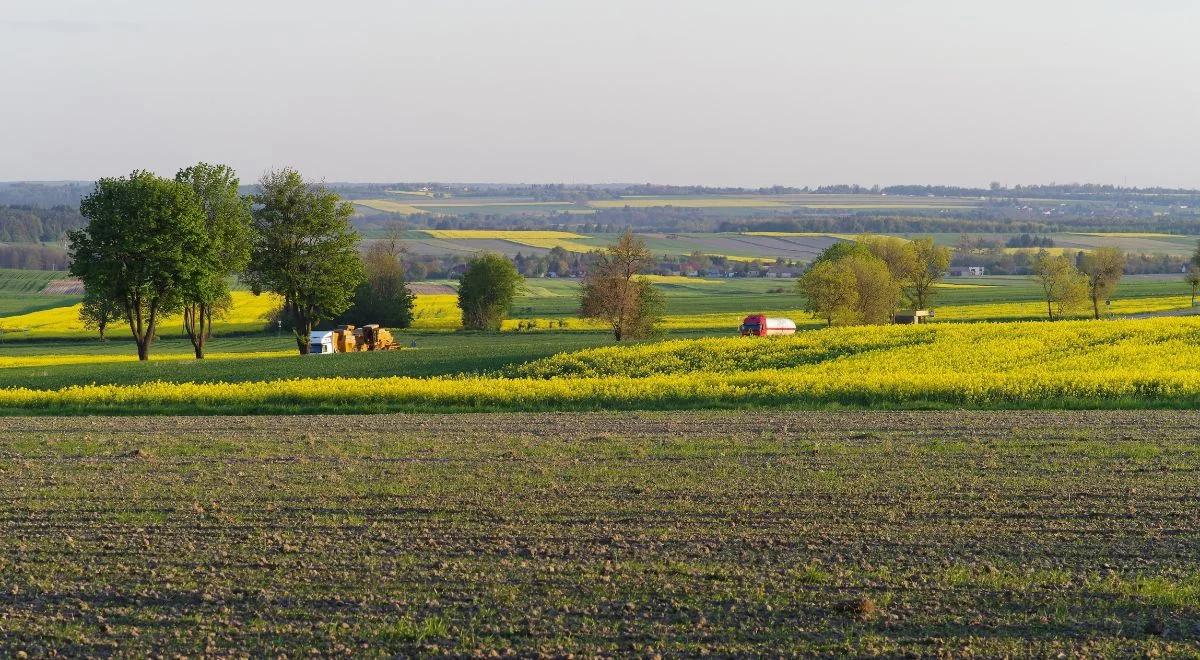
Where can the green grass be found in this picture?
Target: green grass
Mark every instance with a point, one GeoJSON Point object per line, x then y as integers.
{"type": "Point", "coordinates": [26, 281]}
{"type": "Point", "coordinates": [435, 354]}
{"type": "Point", "coordinates": [19, 291]}
{"type": "Point", "coordinates": [15, 304]}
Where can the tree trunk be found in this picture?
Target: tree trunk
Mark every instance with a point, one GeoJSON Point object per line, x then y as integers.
{"type": "Point", "coordinates": [301, 328]}
{"type": "Point", "coordinates": [1096, 306]}
{"type": "Point", "coordinates": [197, 329]}
{"type": "Point", "coordinates": [143, 348]}
{"type": "Point", "coordinates": [1049, 309]}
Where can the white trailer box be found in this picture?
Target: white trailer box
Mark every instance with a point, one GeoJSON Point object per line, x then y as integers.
{"type": "Point", "coordinates": [320, 342]}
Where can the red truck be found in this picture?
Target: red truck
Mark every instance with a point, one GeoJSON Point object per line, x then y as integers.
{"type": "Point", "coordinates": [760, 325]}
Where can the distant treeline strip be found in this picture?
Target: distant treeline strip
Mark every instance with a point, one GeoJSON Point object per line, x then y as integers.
{"type": "Point", "coordinates": [897, 224]}
{"type": "Point", "coordinates": [33, 257]}
{"type": "Point", "coordinates": [32, 224]}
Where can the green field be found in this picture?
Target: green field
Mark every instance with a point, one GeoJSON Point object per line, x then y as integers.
{"type": "Point", "coordinates": [620, 535]}
{"type": "Point", "coordinates": [732, 205]}
{"type": "Point", "coordinates": [19, 291]}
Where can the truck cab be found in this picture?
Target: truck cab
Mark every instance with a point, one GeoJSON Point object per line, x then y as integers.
{"type": "Point", "coordinates": [320, 342]}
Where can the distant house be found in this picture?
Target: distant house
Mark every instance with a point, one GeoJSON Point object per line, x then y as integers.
{"type": "Point", "coordinates": [966, 271]}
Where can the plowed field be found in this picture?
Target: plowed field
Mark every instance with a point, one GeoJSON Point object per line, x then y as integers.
{"type": "Point", "coordinates": [863, 533]}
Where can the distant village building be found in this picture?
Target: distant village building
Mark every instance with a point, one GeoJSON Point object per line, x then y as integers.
{"type": "Point", "coordinates": [966, 271]}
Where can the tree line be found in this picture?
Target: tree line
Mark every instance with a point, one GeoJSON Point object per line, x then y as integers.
{"type": "Point", "coordinates": [34, 224]}
{"type": "Point", "coordinates": [866, 281]}
{"type": "Point", "coordinates": [33, 256]}
{"type": "Point", "coordinates": [154, 247]}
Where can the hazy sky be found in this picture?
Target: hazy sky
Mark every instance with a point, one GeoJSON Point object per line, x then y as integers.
{"type": "Point", "coordinates": [735, 92]}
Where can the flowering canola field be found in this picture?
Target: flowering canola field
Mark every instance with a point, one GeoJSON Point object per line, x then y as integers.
{"type": "Point", "coordinates": [247, 313]}
{"type": "Point", "coordinates": [1143, 363]}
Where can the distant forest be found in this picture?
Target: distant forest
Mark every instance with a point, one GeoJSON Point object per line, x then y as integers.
{"type": "Point", "coordinates": [35, 216]}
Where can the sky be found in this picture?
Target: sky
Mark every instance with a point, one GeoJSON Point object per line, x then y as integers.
{"type": "Point", "coordinates": [734, 92]}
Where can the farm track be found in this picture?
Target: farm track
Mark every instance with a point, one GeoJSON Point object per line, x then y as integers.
{"type": "Point", "coordinates": [817, 533]}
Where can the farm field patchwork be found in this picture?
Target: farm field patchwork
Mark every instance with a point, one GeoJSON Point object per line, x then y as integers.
{"type": "Point", "coordinates": [960, 534]}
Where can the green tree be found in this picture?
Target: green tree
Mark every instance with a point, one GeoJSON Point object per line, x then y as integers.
{"type": "Point", "coordinates": [897, 253]}
{"type": "Point", "coordinates": [383, 297]}
{"type": "Point", "coordinates": [486, 291]}
{"type": "Point", "coordinates": [854, 288]}
{"type": "Point", "coordinates": [98, 310]}
{"type": "Point", "coordinates": [227, 221]}
{"type": "Point", "coordinates": [917, 265]}
{"type": "Point", "coordinates": [878, 290]}
{"type": "Point", "coordinates": [304, 249]}
{"type": "Point", "coordinates": [1192, 277]}
{"type": "Point", "coordinates": [830, 292]}
{"type": "Point", "coordinates": [932, 262]}
{"type": "Point", "coordinates": [842, 249]}
{"type": "Point", "coordinates": [1103, 267]}
{"type": "Point", "coordinates": [1063, 286]}
{"type": "Point", "coordinates": [613, 292]}
{"type": "Point", "coordinates": [144, 248]}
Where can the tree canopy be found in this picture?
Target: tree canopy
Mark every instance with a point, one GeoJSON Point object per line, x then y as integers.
{"type": "Point", "coordinates": [1103, 268]}
{"type": "Point", "coordinates": [613, 293]}
{"type": "Point", "coordinates": [849, 284]}
{"type": "Point", "coordinates": [144, 248]}
{"type": "Point", "coordinates": [1063, 286]}
{"type": "Point", "coordinates": [383, 297]}
{"type": "Point", "coordinates": [486, 291]}
{"type": "Point", "coordinates": [227, 220]}
{"type": "Point", "coordinates": [304, 249]}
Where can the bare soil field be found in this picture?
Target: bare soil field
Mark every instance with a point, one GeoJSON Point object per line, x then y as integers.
{"type": "Point", "coordinates": [698, 533]}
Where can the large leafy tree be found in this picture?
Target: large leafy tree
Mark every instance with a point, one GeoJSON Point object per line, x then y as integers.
{"type": "Point", "coordinates": [486, 291]}
{"type": "Point", "coordinates": [1063, 286]}
{"type": "Point", "coordinates": [303, 249]}
{"type": "Point", "coordinates": [383, 297]}
{"type": "Point", "coordinates": [143, 249]}
{"type": "Point", "coordinates": [850, 285]}
{"type": "Point", "coordinates": [1103, 268]}
{"type": "Point", "coordinates": [227, 223]}
{"type": "Point", "coordinates": [830, 292]}
{"type": "Point", "coordinates": [932, 262]}
{"type": "Point", "coordinates": [612, 291]}
{"type": "Point", "coordinates": [917, 265]}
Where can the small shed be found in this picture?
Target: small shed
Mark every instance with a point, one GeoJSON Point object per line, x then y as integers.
{"type": "Point", "coordinates": [912, 317]}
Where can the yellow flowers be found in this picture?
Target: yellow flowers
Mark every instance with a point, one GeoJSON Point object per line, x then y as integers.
{"type": "Point", "coordinates": [53, 360]}
{"type": "Point", "coordinates": [1149, 362]}
{"type": "Point", "coordinates": [247, 313]}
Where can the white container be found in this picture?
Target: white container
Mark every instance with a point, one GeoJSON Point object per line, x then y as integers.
{"type": "Point", "coordinates": [320, 342]}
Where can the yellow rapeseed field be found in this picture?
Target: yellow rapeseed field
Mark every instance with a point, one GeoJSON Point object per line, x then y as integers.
{"type": "Point", "coordinates": [1146, 362]}
{"type": "Point", "coordinates": [247, 313]}
{"type": "Point", "coordinates": [57, 359]}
